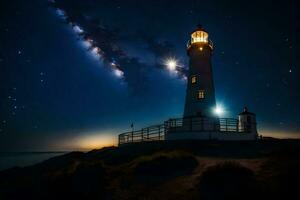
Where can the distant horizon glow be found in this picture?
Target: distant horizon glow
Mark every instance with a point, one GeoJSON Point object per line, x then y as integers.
{"type": "Point", "coordinates": [280, 134]}
{"type": "Point", "coordinates": [88, 141]}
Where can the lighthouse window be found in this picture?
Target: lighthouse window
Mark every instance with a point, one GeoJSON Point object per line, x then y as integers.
{"type": "Point", "coordinates": [194, 79]}
{"type": "Point", "coordinates": [201, 94]}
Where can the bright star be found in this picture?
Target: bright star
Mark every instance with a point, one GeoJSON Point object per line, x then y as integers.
{"type": "Point", "coordinates": [171, 64]}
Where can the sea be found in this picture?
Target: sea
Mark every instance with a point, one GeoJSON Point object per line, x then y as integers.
{"type": "Point", "coordinates": [22, 159]}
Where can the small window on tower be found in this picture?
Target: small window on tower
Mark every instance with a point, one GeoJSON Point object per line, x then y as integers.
{"type": "Point", "coordinates": [194, 79]}
{"type": "Point", "coordinates": [201, 94]}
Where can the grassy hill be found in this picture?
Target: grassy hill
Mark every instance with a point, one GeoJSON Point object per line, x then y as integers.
{"type": "Point", "coordinates": [163, 170]}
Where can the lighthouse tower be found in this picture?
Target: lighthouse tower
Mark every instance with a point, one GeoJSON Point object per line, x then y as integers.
{"type": "Point", "coordinates": [199, 121]}
{"type": "Point", "coordinates": [200, 93]}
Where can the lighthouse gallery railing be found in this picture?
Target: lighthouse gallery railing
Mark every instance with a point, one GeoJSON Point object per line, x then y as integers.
{"type": "Point", "coordinates": [195, 124]}
{"type": "Point", "coordinates": [151, 133]}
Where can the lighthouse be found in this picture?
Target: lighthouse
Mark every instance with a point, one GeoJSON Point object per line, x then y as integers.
{"type": "Point", "coordinates": [199, 121]}
{"type": "Point", "coordinates": [200, 92]}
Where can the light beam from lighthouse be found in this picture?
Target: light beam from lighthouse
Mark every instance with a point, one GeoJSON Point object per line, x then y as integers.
{"type": "Point", "coordinates": [200, 93]}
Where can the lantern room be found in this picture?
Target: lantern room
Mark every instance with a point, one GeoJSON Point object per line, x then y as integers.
{"type": "Point", "coordinates": [199, 36]}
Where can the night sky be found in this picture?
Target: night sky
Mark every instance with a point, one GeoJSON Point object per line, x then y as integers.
{"type": "Point", "coordinates": [74, 74]}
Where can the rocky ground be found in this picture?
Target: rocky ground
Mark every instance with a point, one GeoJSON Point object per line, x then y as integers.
{"type": "Point", "coordinates": [161, 170]}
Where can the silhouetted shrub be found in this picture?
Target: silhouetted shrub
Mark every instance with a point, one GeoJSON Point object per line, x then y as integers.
{"type": "Point", "coordinates": [164, 167]}
{"type": "Point", "coordinates": [227, 181]}
{"type": "Point", "coordinates": [85, 182]}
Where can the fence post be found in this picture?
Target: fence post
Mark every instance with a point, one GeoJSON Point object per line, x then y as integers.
{"type": "Point", "coordinates": [165, 129]}
{"type": "Point", "coordinates": [215, 125]}
{"type": "Point", "coordinates": [226, 124]}
{"type": "Point", "coordinates": [142, 135]}
{"type": "Point", "coordinates": [159, 133]}
{"type": "Point", "coordinates": [175, 125]}
{"type": "Point", "coordinates": [147, 133]}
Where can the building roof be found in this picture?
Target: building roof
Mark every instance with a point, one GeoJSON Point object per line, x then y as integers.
{"type": "Point", "coordinates": [199, 28]}
{"type": "Point", "coordinates": [246, 112]}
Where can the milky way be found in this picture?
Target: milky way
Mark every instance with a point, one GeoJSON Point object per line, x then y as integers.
{"type": "Point", "coordinates": [102, 42]}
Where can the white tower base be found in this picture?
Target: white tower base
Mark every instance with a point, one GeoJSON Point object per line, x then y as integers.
{"type": "Point", "coordinates": [227, 136]}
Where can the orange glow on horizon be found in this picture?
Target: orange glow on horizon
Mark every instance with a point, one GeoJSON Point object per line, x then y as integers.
{"type": "Point", "coordinates": [89, 141]}
{"type": "Point", "coordinates": [280, 134]}
{"type": "Point", "coordinates": [96, 142]}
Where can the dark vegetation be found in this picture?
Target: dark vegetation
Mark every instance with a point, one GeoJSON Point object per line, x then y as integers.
{"type": "Point", "coordinates": [177, 170]}
{"type": "Point", "coordinates": [229, 180]}
{"type": "Point", "coordinates": [163, 167]}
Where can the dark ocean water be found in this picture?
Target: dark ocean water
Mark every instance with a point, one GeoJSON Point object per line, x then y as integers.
{"type": "Point", "coordinates": [22, 159]}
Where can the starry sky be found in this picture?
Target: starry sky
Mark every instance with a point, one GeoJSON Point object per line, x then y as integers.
{"type": "Point", "coordinates": [74, 74]}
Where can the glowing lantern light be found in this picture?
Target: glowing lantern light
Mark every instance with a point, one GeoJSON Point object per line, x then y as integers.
{"type": "Point", "coordinates": [199, 36]}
